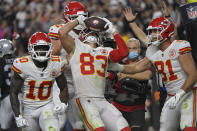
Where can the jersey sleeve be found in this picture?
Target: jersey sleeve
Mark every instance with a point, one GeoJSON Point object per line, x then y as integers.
{"type": "Point", "coordinates": [151, 50]}
{"type": "Point", "coordinates": [183, 47]}
{"type": "Point", "coordinates": [17, 67]}
{"type": "Point", "coordinates": [53, 31]}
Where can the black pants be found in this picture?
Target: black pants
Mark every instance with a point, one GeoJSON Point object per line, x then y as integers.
{"type": "Point", "coordinates": [135, 119]}
{"type": "Point", "coordinates": [191, 31]}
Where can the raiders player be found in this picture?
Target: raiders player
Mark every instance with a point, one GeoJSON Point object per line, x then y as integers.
{"type": "Point", "coordinates": [6, 60]}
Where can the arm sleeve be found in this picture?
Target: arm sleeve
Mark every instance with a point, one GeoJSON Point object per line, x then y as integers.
{"type": "Point", "coordinates": [184, 47]}
{"type": "Point", "coordinates": [118, 54]}
{"type": "Point", "coordinates": [53, 31]}
{"type": "Point", "coordinates": [17, 67]}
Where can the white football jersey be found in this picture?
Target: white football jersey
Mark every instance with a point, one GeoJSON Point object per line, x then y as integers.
{"type": "Point", "coordinates": [168, 65]}
{"type": "Point", "coordinates": [53, 34]}
{"type": "Point", "coordinates": [38, 83]}
{"type": "Point", "coordinates": [88, 67]}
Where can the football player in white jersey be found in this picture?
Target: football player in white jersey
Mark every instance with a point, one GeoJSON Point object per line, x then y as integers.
{"type": "Point", "coordinates": [89, 64]}
{"type": "Point", "coordinates": [71, 11]}
{"type": "Point", "coordinates": [174, 63]}
{"type": "Point", "coordinates": [34, 75]}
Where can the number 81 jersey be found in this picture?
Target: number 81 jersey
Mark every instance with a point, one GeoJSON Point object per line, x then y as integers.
{"type": "Point", "coordinates": [168, 65]}
{"type": "Point", "coordinates": [37, 89]}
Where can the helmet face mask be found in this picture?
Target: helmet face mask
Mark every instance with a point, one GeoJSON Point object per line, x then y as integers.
{"type": "Point", "coordinates": [90, 36]}
{"type": "Point", "coordinates": [40, 47]}
{"type": "Point", "coordinates": [160, 30]}
{"type": "Point", "coordinates": [156, 38]}
{"type": "Point", "coordinates": [6, 47]}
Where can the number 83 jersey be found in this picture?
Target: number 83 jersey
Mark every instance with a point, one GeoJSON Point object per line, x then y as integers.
{"type": "Point", "coordinates": [167, 64]}
{"type": "Point", "coordinates": [37, 89]}
{"type": "Point", "coordinates": [88, 66]}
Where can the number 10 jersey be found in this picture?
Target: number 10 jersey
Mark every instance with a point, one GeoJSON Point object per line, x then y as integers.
{"type": "Point", "coordinates": [37, 89]}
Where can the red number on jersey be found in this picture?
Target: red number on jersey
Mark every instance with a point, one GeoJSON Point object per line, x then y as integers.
{"type": "Point", "coordinates": [160, 66]}
{"type": "Point", "coordinates": [87, 64]}
{"type": "Point", "coordinates": [43, 85]}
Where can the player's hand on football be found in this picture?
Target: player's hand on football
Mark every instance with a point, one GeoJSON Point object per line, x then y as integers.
{"type": "Point", "coordinates": [128, 13]}
{"type": "Point", "coordinates": [60, 108]}
{"type": "Point", "coordinates": [21, 122]}
{"type": "Point", "coordinates": [173, 101]}
{"type": "Point", "coordinates": [111, 29]}
{"type": "Point", "coordinates": [81, 20]}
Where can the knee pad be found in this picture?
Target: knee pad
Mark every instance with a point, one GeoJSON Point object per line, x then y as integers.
{"type": "Point", "coordinates": [126, 129]}
{"type": "Point", "coordinates": [189, 129]}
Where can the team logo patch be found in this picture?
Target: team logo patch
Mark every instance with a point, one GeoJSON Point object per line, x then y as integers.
{"type": "Point", "coordinates": [53, 73]}
{"type": "Point", "coordinates": [95, 22]}
{"type": "Point", "coordinates": [192, 12]}
{"type": "Point", "coordinates": [172, 53]}
{"type": "Point", "coordinates": [104, 51]}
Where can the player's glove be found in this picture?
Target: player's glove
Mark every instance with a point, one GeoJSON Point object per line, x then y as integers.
{"type": "Point", "coordinates": [60, 108]}
{"type": "Point", "coordinates": [81, 20]}
{"type": "Point", "coordinates": [173, 101]}
{"type": "Point", "coordinates": [111, 29]}
{"type": "Point", "coordinates": [21, 122]}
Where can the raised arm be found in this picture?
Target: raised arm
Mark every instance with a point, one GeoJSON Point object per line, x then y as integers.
{"type": "Point", "coordinates": [116, 55]}
{"type": "Point", "coordinates": [67, 41]}
{"type": "Point", "coordinates": [130, 17]}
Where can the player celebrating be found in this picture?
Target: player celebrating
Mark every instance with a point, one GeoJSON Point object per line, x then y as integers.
{"type": "Point", "coordinates": [37, 72]}
{"type": "Point", "coordinates": [89, 64]}
{"type": "Point", "coordinates": [71, 11]}
{"type": "Point", "coordinates": [175, 64]}
{"type": "Point", "coordinates": [7, 57]}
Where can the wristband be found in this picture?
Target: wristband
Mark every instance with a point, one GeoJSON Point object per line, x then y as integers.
{"type": "Point", "coordinates": [167, 16]}
{"type": "Point", "coordinates": [131, 21]}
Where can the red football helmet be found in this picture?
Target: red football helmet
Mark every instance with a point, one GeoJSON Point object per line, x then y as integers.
{"type": "Point", "coordinates": [40, 46]}
{"type": "Point", "coordinates": [72, 10]}
{"type": "Point", "coordinates": [164, 28]}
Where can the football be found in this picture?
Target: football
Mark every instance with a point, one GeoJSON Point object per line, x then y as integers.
{"type": "Point", "coordinates": [95, 24]}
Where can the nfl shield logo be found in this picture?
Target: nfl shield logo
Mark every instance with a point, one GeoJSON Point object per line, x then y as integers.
{"type": "Point", "coordinates": [95, 22]}
{"type": "Point", "coordinates": [192, 12]}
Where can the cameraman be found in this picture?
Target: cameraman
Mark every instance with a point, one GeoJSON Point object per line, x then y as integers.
{"type": "Point", "coordinates": [132, 89]}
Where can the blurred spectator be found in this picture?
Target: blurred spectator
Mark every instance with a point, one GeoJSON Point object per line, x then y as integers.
{"type": "Point", "coordinates": [132, 90]}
